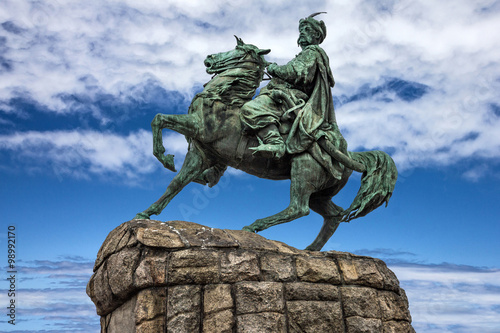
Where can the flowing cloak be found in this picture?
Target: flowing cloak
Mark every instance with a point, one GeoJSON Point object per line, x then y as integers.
{"type": "Point", "coordinates": [310, 72]}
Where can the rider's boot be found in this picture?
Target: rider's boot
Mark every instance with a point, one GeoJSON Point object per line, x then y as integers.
{"type": "Point", "coordinates": [271, 143]}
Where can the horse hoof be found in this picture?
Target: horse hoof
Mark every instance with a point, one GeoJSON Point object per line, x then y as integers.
{"type": "Point", "coordinates": [248, 228]}
{"type": "Point", "coordinates": [141, 216]}
{"type": "Point", "coordinates": [168, 162]}
{"type": "Point", "coordinates": [312, 248]}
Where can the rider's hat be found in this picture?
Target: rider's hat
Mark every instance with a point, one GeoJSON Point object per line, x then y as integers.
{"type": "Point", "coordinates": [318, 26]}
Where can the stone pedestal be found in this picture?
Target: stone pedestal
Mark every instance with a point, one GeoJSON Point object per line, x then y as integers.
{"type": "Point", "coordinates": [158, 277]}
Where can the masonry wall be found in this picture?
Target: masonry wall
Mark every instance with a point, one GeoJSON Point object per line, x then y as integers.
{"type": "Point", "coordinates": [178, 276]}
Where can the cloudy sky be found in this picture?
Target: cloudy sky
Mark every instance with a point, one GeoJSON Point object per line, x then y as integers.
{"type": "Point", "coordinates": [82, 80]}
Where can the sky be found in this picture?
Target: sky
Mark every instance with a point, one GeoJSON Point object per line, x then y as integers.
{"type": "Point", "coordinates": [81, 81]}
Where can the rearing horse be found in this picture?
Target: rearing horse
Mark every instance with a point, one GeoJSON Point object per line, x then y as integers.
{"type": "Point", "coordinates": [216, 141]}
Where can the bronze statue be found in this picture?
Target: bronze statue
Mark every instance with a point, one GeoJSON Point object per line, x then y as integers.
{"type": "Point", "coordinates": [288, 131]}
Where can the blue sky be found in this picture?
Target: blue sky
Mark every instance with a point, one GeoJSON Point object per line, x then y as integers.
{"type": "Point", "coordinates": [81, 82]}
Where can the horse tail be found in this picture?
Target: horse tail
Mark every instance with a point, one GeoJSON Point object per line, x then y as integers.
{"type": "Point", "coordinates": [377, 183]}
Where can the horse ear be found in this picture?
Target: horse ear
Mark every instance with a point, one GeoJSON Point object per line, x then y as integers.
{"type": "Point", "coordinates": [262, 52]}
{"type": "Point", "coordinates": [239, 42]}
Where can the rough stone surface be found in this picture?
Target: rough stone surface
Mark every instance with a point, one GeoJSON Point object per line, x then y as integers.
{"type": "Point", "coordinates": [265, 322]}
{"type": "Point", "coordinates": [217, 297]}
{"type": "Point", "coordinates": [360, 301]}
{"type": "Point", "coordinates": [239, 266]}
{"type": "Point", "coordinates": [152, 276]}
{"type": "Point", "coordinates": [363, 325]}
{"type": "Point", "coordinates": [277, 267]}
{"type": "Point", "coordinates": [313, 269]}
{"type": "Point", "coordinates": [197, 266]}
{"type": "Point", "coordinates": [252, 297]}
{"type": "Point", "coordinates": [222, 322]}
{"type": "Point", "coordinates": [314, 316]}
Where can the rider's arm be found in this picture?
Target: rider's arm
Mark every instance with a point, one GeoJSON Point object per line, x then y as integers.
{"type": "Point", "coordinates": [299, 72]}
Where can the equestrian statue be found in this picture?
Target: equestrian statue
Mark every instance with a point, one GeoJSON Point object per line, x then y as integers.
{"type": "Point", "coordinates": [288, 131]}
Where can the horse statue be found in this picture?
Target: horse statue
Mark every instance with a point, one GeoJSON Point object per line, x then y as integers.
{"type": "Point", "coordinates": [217, 140]}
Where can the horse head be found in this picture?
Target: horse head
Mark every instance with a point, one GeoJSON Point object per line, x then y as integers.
{"type": "Point", "coordinates": [240, 57]}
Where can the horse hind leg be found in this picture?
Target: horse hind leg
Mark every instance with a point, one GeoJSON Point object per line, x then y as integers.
{"type": "Point", "coordinates": [332, 218]}
{"type": "Point", "coordinates": [297, 208]}
{"type": "Point", "coordinates": [303, 184]}
{"type": "Point", "coordinates": [191, 169]}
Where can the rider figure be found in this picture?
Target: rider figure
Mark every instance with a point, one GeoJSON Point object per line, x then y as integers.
{"type": "Point", "coordinates": [306, 78]}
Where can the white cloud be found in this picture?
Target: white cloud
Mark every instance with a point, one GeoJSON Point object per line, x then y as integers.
{"type": "Point", "coordinates": [448, 298]}
{"type": "Point", "coordinates": [119, 43]}
{"type": "Point", "coordinates": [81, 154]}
{"type": "Point", "coordinates": [51, 295]}
{"type": "Point", "coordinates": [419, 133]}
{"type": "Point", "coordinates": [113, 48]}
{"type": "Point", "coordinates": [444, 46]}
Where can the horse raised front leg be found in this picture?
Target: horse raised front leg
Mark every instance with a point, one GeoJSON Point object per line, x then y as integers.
{"type": "Point", "coordinates": [193, 166]}
{"type": "Point", "coordinates": [185, 124]}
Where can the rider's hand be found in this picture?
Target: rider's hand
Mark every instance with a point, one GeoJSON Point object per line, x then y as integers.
{"type": "Point", "coordinates": [271, 68]}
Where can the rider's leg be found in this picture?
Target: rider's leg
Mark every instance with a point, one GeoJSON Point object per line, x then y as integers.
{"type": "Point", "coordinates": [261, 116]}
{"type": "Point", "coordinates": [272, 144]}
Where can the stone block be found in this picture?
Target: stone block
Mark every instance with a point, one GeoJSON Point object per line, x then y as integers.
{"type": "Point", "coordinates": [311, 291]}
{"type": "Point", "coordinates": [110, 244]}
{"type": "Point", "coordinates": [285, 248]}
{"type": "Point", "coordinates": [391, 282]}
{"type": "Point", "coordinates": [217, 297]}
{"type": "Point", "coordinates": [194, 266]}
{"type": "Point", "coordinates": [182, 299]}
{"type": "Point", "coordinates": [360, 301]}
{"type": "Point", "coordinates": [254, 297]}
{"type": "Point", "coordinates": [249, 240]}
{"type": "Point", "coordinates": [397, 327]}
{"type": "Point", "coordinates": [393, 306]}
{"type": "Point", "coordinates": [200, 236]}
{"type": "Point", "coordinates": [360, 271]}
{"type": "Point", "coordinates": [184, 323]}
{"type": "Point", "coordinates": [317, 269]}
{"type": "Point", "coordinates": [220, 322]}
{"type": "Point", "coordinates": [266, 322]}
{"type": "Point", "coordinates": [122, 319]}
{"type": "Point", "coordinates": [150, 304]}
{"type": "Point", "coordinates": [160, 236]}
{"type": "Point", "coordinates": [100, 292]}
{"type": "Point", "coordinates": [183, 308]}
{"type": "Point", "coordinates": [156, 325]}
{"type": "Point", "coordinates": [363, 325]}
{"type": "Point", "coordinates": [239, 265]}
{"type": "Point", "coordinates": [152, 270]}
{"type": "Point", "coordinates": [120, 267]}
{"type": "Point", "coordinates": [314, 317]}
{"type": "Point", "coordinates": [277, 267]}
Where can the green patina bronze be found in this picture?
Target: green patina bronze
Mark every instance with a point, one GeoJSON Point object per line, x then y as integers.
{"type": "Point", "coordinates": [288, 131]}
